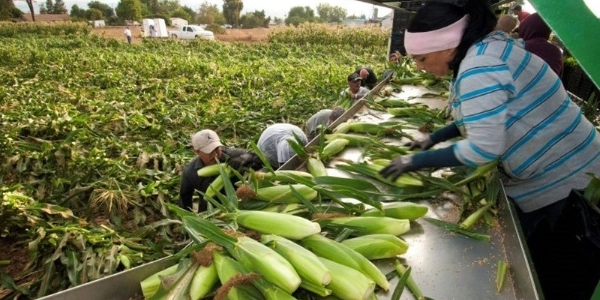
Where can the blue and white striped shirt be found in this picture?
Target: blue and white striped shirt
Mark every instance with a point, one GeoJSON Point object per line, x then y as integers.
{"type": "Point", "coordinates": [512, 107]}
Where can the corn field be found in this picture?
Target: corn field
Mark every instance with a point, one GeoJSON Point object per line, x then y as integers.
{"type": "Point", "coordinates": [95, 133]}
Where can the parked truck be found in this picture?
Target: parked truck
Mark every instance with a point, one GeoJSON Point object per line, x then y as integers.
{"type": "Point", "coordinates": [189, 32]}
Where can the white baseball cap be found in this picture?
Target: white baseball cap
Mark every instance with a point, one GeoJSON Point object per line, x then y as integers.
{"type": "Point", "coordinates": [206, 141]}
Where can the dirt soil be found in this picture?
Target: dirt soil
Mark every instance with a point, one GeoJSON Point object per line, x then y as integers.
{"type": "Point", "coordinates": [15, 254]}
{"type": "Point", "coordinates": [230, 35]}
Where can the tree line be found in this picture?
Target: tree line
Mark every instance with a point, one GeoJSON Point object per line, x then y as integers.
{"type": "Point", "coordinates": [209, 14]}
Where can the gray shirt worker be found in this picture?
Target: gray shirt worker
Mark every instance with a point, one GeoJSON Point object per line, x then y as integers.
{"type": "Point", "coordinates": [274, 142]}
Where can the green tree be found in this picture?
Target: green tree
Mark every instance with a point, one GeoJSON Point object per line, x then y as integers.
{"type": "Point", "coordinates": [6, 9]}
{"type": "Point", "coordinates": [94, 14]}
{"type": "Point", "coordinates": [190, 12]}
{"type": "Point", "coordinates": [129, 10]}
{"type": "Point", "coordinates": [328, 13]}
{"type": "Point", "coordinates": [106, 10]}
{"type": "Point", "coordinates": [231, 11]}
{"type": "Point", "coordinates": [255, 19]}
{"type": "Point", "coordinates": [46, 8]}
{"type": "Point", "coordinates": [209, 14]}
{"type": "Point", "coordinates": [299, 14]}
{"type": "Point", "coordinates": [181, 13]}
{"type": "Point", "coordinates": [59, 7]}
{"type": "Point", "coordinates": [77, 12]}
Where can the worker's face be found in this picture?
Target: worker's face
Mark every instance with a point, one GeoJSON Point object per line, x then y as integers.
{"type": "Point", "coordinates": [209, 158]}
{"type": "Point", "coordinates": [435, 63]}
{"type": "Point", "coordinates": [354, 86]}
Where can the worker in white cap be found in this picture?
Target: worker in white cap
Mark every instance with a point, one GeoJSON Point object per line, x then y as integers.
{"type": "Point", "coordinates": [209, 150]}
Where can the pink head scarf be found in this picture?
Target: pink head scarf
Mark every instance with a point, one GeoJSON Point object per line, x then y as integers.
{"type": "Point", "coordinates": [417, 43]}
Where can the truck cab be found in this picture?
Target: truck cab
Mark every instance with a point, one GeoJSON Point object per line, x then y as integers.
{"type": "Point", "coordinates": [188, 32]}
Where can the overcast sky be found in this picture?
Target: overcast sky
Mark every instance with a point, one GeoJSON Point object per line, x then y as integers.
{"type": "Point", "coordinates": [277, 8]}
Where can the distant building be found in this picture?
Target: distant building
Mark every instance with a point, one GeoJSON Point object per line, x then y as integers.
{"type": "Point", "coordinates": [98, 23]}
{"type": "Point", "coordinates": [355, 22]}
{"type": "Point", "coordinates": [178, 22]}
{"type": "Point", "coordinates": [48, 17]}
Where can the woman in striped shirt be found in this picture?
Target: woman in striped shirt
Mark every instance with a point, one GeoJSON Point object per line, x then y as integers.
{"type": "Point", "coordinates": [507, 104]}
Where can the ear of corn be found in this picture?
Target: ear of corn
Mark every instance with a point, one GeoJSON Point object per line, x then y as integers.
{"type": "Point", "coordinates": [398, 210]}
{"type": "Point", "coordinates": [283, 193]}
{"type": "Point", "coordinates": [177, 285]}
{"type": "Point", "coordinates": [340, 253]}
{"type": "Point", "coordinates": [204, 280]}
{"type": "Point", "coordinates": [306, 263]}
{"type": "Point", "coordinates": [265, 261]}
{"type": "Point", "coordinates": [291, 208]}
{"type": "Point", "coordinates": [252, 254]}
{"type": "Point", "coordinates": [348, 283]}
{"type": "Point", "coordinates": [151, 284]}
{"type": "Point", "coordinates": [366, 127]}
{"type": "Point", "coordinates": [283, 176]}
{"type": "Point", "coordinates": [342, 128]}
{"type": "Point", "coordinates": [355, 140]}
{"type": "Point", "coordinates": [217, 185]}
{"type": "Point", "coordinates": [405, 179]}
{"type": "Point", "coordinates": [288, 226]}
{"type": "Point", "coordinates": [228, 269]}
{"type": "Point", "coordinates": [316, 167]}
{"type": "Point", "coordinates": [475, 216]}
{"type": "Point", "coordinates": [332, 148]}
{"type": "Point", "coordinates": [212, 170]}
{"type": "Point", "coordinates": [377, 246]}
{"type": "Point", "coordinates": [374, 225]}
{"type": "Point", "coordinates": [317, 289]}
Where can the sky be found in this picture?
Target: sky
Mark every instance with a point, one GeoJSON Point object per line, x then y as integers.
{"type": "Point", "coordinates": [277, 8]}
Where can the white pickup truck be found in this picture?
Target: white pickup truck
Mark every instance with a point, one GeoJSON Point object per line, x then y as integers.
{"type": "Point", "coordinates": [189, 32]}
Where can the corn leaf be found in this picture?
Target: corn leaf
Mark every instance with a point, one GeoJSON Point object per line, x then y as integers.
{"type": "Point", "coordinates": [457, 229]}
{"type": "Point", "coordinates": [401, 284]}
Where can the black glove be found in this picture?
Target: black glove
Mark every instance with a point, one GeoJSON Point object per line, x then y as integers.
{"type": "Point", "coordinates": [245, 161]}
{"type": "Point", "coordinates": [422, 143]}
{"type": "Point", "coordinates": [397, 167]}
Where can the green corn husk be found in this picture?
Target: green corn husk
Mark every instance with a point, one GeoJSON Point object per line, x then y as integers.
{"type": "Point", "coordinates": [410, 282]}
{"type": "Point", "coordinates": [340, 253]}
{"type": "Point", "coordinates": [343, 127]}
{"type": "Point", "coordinates": [252, 254]}
{"type": "Point", "coordinates": [284, 194]}
{"type": "Point", "coordinates": [402, 181]}
{"type": "Point", "coordinates": [287, 208]}
{"type": "Point", "coordinates": [282, 176]}
{"type": "Point", "coordinates": [265, 261]}
{"type": "Point", "coordinates": [287, 226]}
{"type": "Point", "coordinates": [377, 246]}
{"type": "Point", "coordinates": [177, 285]}
{"type": "Point", "coordinates": [354, 140]}
{"type": "Point", "coordinates": [306, 263]}
{"type": "Point", "coordinates": [151, 284]}
{"type": "Point", "coordinates": [366, 127]}
{"type": "Point", "coordinates": [501, 275]}
{"type": "Point", "coordinates": [227, 268]}
{"type": "Point", "coordinates": [230, 269]}
{"type": "Point", "coordinates": [316, 167]}
{"type": "Point", "coordinates": [204, 280]}
{"type": "Point", "coordinates": [475, 216]}
{"type": "Point", "coordinates": [374, 225]}
{"type": "Point", "coordinates": [332, 148]}
{"type": "Point", "coordinates": [212, 170]}
{"type": "Point", "coordinates": [348, 283]}
{"type": "Point", "coordinates": [399, 210]}
{"type": "Point", "coordinates": [217, 185]}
